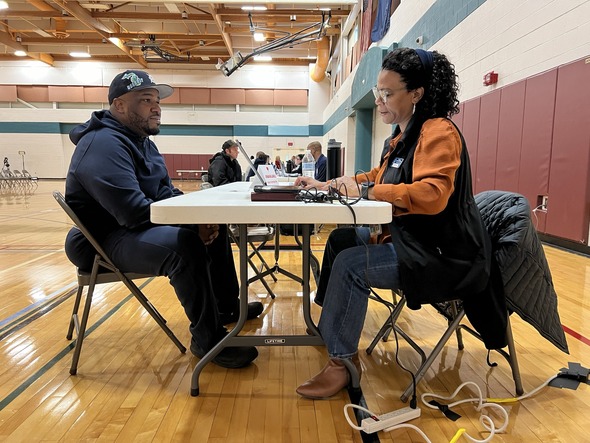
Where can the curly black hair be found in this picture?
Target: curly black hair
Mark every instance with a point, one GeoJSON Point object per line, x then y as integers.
{"type": "Point", "coordinates": [440, 85]}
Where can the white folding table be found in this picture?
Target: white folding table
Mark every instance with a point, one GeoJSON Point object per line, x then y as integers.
{"type": "Point", "coordinates": [231, 204]}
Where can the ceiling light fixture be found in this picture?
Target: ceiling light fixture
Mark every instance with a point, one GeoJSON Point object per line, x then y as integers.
{"type": "Point", "coordinates": [77, 54]}
{"type": "Point", "coordinates": [184, 15]}
{"type": "Point", "coordinates": [259, 37]}
{"type": "Point", "coordinates": [3, 5]}
{"type": "Point", "coordinates": [262, 58]}
{"type": "Point", "coordinates": [253, 8]}
{"type": "Point", "coordinates": [20, 53]}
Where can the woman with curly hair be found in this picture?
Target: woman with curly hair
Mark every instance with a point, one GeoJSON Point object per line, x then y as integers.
{"type": "Point", "coordinates": [439, 249]}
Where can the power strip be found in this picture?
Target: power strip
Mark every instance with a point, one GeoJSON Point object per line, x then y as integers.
{"type": "Point", "coordinates": [390, 419]}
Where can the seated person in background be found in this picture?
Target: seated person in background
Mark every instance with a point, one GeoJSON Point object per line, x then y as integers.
{"type": "Point", "coordinates": [223, 166]}
{"type": "Point", "coordinates": [440, 249]}
{"type": "Point", "coordinates": [116, 173]}
{"type": "Point", "coordinates": [320, 161]}
{"type": "Point", "coordinates": [278, 162]}
{"type": "Point", "coordinates": [261, 159]}
{"type": "Point", "coordinates": [297, 167]}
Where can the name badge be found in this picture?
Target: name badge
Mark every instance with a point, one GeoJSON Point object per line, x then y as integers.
{"type": "Point", "coordinates": [397, 162]}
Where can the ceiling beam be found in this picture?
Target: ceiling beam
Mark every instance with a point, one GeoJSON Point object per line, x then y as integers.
{"type": "Point", "coordinates": [6, 39]}
{"type": "Point", "coordinates": [224, 35]}
{"type": "Point", "coordinates": [74, 8]}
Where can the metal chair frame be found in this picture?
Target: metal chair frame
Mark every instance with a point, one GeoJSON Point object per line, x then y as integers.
{"type": "Point", "coordinates": [454, 314]}
{"type": "Point", "coordinates": [103, 271]}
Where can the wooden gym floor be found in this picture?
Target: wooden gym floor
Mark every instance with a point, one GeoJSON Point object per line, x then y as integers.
{"type": "Point", "coordinates": [134, 385]}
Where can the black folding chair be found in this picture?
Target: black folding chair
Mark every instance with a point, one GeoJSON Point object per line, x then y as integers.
{"type": "Point", "coordinates": [103, 271]}
{"type": "Point", "coordinates": [453, 310]}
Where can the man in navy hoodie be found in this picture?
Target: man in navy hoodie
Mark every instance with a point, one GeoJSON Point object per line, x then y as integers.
{"type": "Point", "coordinates": [115, 174]}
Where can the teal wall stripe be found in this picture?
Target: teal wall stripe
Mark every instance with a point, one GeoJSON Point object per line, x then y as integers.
{"type": "Point", "coordinates": [299, 131]}
{"type": "Point", "coordinates": [316, 130]}
{"type": "Point", "coordinates": [196, 130]}
{"type": "Point", "coordinates": [250, 131]}
{"type": "Point", "coordinates": [30, 128]}
{"type": "Point", "coordinates": [228, 131]}
{"type": "Point", "coordinates": [364, 128]}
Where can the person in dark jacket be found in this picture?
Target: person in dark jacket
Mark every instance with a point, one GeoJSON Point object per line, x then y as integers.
{"type": "Point", "coordinates": [440, 249]}
{"type": "Point", "coordinates": [261, 159]}
{"type": "Point", "coordinates": [321, 160]}
{"type": "Point", "coordinates": [115, 174]}
{"type": "Point", "coordinates": [223, 166]}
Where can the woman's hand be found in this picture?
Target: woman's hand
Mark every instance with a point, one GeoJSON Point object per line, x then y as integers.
{"type": "Point", "coordinates": [208, 233]}
{"type": "Point", "coordinates": [346, 186]}
{"type": "Point", "coordinates": [309, 183]}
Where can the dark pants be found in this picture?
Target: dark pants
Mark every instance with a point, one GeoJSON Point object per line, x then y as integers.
{"type": "Point", "coordinates": [204, 277]}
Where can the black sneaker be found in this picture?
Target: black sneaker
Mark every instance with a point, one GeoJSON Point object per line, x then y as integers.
{"type": "Point", "coordinates": [255, 308]}
{"type": "Point", "coordinates": [232, 357]}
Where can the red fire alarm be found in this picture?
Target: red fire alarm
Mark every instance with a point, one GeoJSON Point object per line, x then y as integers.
{"type": "Point", "coordinates": [490, 78]}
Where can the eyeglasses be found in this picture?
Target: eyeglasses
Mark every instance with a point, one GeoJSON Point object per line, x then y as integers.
{"type": "Point", "coordinates": [383, 94]}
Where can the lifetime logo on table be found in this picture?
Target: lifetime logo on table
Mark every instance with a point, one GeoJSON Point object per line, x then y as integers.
{"type": "Point", "coordinates": [275, 341]}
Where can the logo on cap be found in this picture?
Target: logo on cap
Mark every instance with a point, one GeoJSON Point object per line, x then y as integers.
{"type": "Point", "coordinates": [134, 80]}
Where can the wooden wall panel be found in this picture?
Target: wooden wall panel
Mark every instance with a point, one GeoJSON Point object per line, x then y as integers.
{"type": "Point", "coordinates": [470, 131]}
{"type": "Point", "coordinates": [290, 97]}
{"type": "Point", "coordinates": [487, 141]}
{"type": "Point", "coordinates": [8, 93]}
{"type": "Point", "coordinates": [228, 97]}
{"type": "Point", "coordinates": [195, 96]}
{"type": "Point", "coordinates": [568, 208]}
{"type": "Point", "coordinates": [96, 94]}
{"type": "Point", "coordinates": [537, 130]}
{"type": "Point", "coordinates": [71, 94]}
{"type": "Point", "coordinates": [174, 98]}
{"type": "Point", "coordinates": [259, 97]}
{"type": "Point", "coordinates": [510, 136]}
{"type": "Point", "coordinates": [32, 94]}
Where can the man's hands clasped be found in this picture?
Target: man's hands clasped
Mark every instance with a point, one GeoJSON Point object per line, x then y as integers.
{"type": "Point", "coordinates": [208, 233]}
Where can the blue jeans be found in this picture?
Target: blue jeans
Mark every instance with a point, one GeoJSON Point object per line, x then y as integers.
{"type": "Point", "coordinates": [355, 269]}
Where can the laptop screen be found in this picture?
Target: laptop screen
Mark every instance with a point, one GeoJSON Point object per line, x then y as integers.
{"type": "Point", "coordinates": [249, 160]}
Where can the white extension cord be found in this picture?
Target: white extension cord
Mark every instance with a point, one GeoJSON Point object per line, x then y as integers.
{"type": "Point", "coordinates": [378, 423]}
{"type": "Point", "coordinates": [396, 419]}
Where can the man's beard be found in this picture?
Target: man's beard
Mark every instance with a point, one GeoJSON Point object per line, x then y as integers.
{"type": "Point", "coordinates": [141, 125]}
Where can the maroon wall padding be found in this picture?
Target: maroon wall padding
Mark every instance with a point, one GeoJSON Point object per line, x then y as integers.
{"type": "Point", "coordinates": [470, 131]}
{"type": "Point", "coordinates": [194, 161]}
{"type": "Point", "coordinates": [568, 208]}
{"type": "Point", "coordinates": [487, 141]}
{"type": "Point", "coordinates": [204, 161]}
{"type": "Point", "coordinates": [185, 161]}
{"type": "Point", "coordinates": [510, 136]}
{"type": "Point", "coordinates": [458, 118]}
{"type": "Point", "coordinates": [169, 160]}
{"type": "Point", "coordinates": [537, 133]}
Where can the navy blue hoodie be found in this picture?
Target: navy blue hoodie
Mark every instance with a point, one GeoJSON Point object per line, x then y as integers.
{"type": "Point", "coordinates": [114, 176]}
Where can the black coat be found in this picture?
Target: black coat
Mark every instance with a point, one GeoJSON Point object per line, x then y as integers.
{"type": "Point", "coordinates": [223, 169]}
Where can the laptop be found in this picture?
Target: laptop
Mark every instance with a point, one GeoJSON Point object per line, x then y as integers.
{"type": "Point", "coordinates": [264, 187]}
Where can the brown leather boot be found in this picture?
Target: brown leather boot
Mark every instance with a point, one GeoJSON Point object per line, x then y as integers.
{"type": "Point", "coordinates": [330, 380]}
